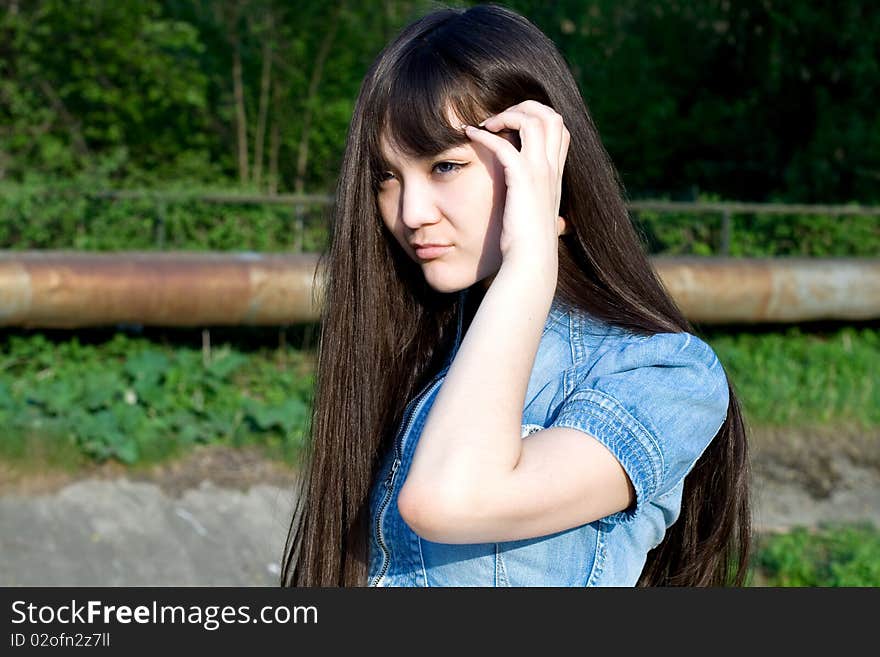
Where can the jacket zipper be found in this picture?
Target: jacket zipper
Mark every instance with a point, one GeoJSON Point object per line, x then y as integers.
{"type": "Point", "coordinates": [389, 480]}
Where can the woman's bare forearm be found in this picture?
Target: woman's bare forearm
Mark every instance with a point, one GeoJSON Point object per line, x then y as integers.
{"type": "Point", "coordinates": [472, 432]}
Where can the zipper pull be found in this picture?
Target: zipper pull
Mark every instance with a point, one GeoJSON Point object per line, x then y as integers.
{"type": "Point", "coordinates": [389, 480]}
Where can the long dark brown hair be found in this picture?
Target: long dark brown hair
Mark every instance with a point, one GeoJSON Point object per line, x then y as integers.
{"type": "Point", "coordinates": [384, 331]}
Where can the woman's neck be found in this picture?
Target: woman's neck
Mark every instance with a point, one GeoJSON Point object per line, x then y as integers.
{"type": "Point", "coordinates": [472, 302]}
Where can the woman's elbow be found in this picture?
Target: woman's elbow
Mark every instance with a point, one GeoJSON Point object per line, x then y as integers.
{"type": "Point", "coordinates": [429, 513]}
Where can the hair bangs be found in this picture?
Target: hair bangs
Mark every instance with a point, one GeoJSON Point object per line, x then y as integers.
{"type": "Point", "coordinates": [425, 105]}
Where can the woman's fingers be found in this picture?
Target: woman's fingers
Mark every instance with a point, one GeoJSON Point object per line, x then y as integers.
{"type": "Point", "coordinates": [544, 143]}
{"type": "Point", "coordinates": [532, 136]}
{"type": "Point", "coordinates": [503, 149]}
{"type": "Point", "coordinates": [542, 123]}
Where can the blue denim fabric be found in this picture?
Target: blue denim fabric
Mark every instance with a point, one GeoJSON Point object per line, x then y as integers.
{"type": "Point", "coordinates": [655, 402]}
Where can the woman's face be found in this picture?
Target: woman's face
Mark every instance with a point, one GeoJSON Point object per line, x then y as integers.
{"type": "Point", "coordinates": [455, 199]}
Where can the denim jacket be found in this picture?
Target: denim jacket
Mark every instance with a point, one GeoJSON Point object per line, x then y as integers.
{"type": "Point", "coordinates": [655, 402]}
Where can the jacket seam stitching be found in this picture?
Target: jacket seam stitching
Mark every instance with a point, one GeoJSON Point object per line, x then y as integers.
{"type": "Point", "coordinates": [598, 559]}
{"type": "Point", "coordinates": [628, 422]}
{"type": "Point", "coordinates": [422, 559]}
{"type": "Point", "coordinates": [500, 568]}
{"type": "Point", "coordinates": [638, 451]}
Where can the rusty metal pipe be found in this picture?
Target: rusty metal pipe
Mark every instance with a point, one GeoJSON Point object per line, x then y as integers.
{"type": "Point", "coordinates": [752, 290]}
{"type": "Point", "coordinates": [63, 289]}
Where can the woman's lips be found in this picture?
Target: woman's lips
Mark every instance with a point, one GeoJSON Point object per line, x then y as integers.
{"type": "Point", "coordinates": [430, 252]}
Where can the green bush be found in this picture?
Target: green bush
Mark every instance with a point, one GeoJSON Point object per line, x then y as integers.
{"type": "Point", "coordinates": [63, 217]}
{"type": "Point", "coordinates": [833, 555]}
{"type": "Point", "coordinates": [132, 400]}
{"type": "Point", "coordinates": [760, 235]}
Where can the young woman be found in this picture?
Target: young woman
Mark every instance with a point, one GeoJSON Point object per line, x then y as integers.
{"type": "Point", "coordinates": [506, 395]}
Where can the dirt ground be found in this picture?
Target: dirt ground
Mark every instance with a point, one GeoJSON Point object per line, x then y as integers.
{"type": "Point", "coordinates": [815, 477]}
{"type": "Point", "coordinates": [219, 516]}
{"type": "Point", "coordinates": [233, 468]}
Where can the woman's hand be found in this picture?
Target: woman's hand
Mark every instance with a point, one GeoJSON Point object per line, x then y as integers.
{"type": "Point", "coordinates": [531, 225]}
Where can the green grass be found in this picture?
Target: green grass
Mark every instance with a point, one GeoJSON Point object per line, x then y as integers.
{"type": "Point", "coordinates": [788, 377]}
{"type": "Point", "coordinates": [110, 395]}
{"type": "Point", "coordinates": [832, 555]}
{"type": "Point", "coordinates": [132, 399]}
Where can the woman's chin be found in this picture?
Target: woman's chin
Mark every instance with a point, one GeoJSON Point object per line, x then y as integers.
{"type": "Point", "coordinates": [447, 289]}
{"type": "Point", "coordinates": [446, 284]}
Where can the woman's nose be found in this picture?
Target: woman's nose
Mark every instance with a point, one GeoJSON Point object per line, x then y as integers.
{"type": "Point", "coordinates": [418, 207]}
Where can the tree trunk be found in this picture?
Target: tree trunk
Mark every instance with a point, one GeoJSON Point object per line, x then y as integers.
{"type": "Point", "coordinates": [240, 116]}
{"type": "Point", "coordinates": [265, 84]}
{"type": "Point", "coordinates": [70, 122]}
{"type": "Point", "coordinates": [274, 146]}
{"type": "Point", "coordinates": [317, 70]}
{"type": "Point", "coordinates": [303, 154]}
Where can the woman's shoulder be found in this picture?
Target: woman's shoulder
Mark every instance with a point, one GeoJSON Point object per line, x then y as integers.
{"type": "Point", "coordinates": [655, 401]}
{"type": "Point", "coordinates": [595, 341]}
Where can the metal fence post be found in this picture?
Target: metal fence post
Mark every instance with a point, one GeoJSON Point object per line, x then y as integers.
{"type": "Point", "coordinates": [725, 232]}
{"type": "Point", "coordinates": [298, 228]}
{"type": "Point", "coordinates": [161, 209]}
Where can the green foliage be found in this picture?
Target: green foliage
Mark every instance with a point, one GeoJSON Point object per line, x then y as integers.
{"type": "Point", "coordinates": [760, 235]}
{"type": "Point", "coordinates": [60, 216]}
{"type": "Point", "coordinates": [761, 102]}
{"type": "Point", "coordinates": [97, 85]}
{"type": "Point", "coordinates": [131, 400]}
{"type": "Point", "coordinates": [813, 235]}
{"type": "Point", "coordinates": [677, 234]}
{"type": "Point", "coordinates": [833, 555]}
{"type": "Point", "coordinates": [792, 378]}
{"type": "Point", "coordinates": [144, 93]}
{"type": "Point", "coordinates": [754, 101]}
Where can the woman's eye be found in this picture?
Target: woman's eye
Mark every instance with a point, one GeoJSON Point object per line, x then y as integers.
{"type": "Point", "coordinates": [447, 164]}
{"type": "Point", "coordinates": [442, 168]}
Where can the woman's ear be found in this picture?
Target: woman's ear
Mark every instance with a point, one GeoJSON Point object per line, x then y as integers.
{"type": "Point", "coordinates": [562, 227]}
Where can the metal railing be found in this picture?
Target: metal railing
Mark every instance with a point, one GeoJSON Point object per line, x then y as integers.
{"type": "Point", "coordinates": [726, 210]}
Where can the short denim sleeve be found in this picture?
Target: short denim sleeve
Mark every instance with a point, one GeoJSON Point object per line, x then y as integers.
{"type": "Point", "coordinates": [655, 402]}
